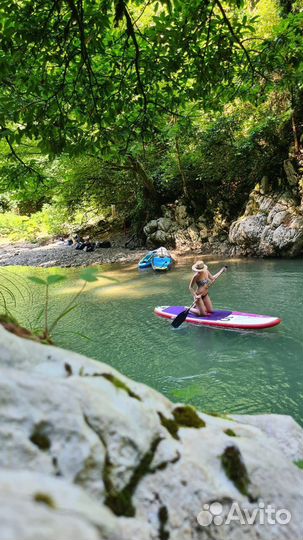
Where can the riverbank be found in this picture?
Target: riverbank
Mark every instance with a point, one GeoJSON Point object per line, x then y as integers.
{"type": "Point", "coordinates": [58, 254]}
{"type": "Point", "coordinates": [63, 256]}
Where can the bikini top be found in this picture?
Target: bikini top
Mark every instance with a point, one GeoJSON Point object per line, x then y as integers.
{"type": "Point", "coordinates": [202, 283]}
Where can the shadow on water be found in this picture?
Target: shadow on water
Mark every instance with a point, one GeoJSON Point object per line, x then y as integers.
{"type": "Point", "coordinates": [217, 370]}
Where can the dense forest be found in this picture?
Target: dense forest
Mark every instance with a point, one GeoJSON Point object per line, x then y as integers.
{"type": "Point", "coordinates": [139, 103]}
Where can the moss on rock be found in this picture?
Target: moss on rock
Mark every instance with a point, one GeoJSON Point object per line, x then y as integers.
{"type": "Point", "coordinates": [44, 498]}
{"type": "Point", "coordinates": [235, 470]}
{"type": "Point", "coordinates": [40, 439]}
{"type": "Point", "coordinates": [186, 416]}
{"type": "Point", "coordinates": [119, 384]}
{"type": "Point", "coordinates": [120, 502]}
{"type": "Point", "coordinates": [163, 519]}
{"type": "Point", "coordinates": [169, 424]}
{"type": "Point", "coordinates": [219, 415]}
{"type": "Point", "coordinates": [230, 432]}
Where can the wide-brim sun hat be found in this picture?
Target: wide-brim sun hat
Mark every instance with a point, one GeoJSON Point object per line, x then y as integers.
{"type": "Point", "coordinates": [199, 266]}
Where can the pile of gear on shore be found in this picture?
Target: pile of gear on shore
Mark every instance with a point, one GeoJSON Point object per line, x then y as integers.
{"type": "Point", "coordinates": [85, 244]}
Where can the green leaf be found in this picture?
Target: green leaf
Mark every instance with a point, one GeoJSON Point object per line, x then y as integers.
{"type": "Point", "coordinates": [90, 274]}
{"type": "Point", "coordinates": [37, 281]}
{"type": "Point", "coordinates": [55, 279]}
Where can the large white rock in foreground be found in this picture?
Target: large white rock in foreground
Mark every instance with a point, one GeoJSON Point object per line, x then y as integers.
{"type": "Point", "coordinates": [86, 453]}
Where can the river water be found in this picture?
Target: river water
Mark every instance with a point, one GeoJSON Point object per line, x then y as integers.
{"type": "Point", "coordinates": [214, 369]}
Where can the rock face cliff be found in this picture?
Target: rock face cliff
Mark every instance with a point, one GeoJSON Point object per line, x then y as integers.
{"type": "Point", "coordinates": [88, 454]}
{"type": "Point", "coordinates": [177, 228]}
{"type": "Point", "coordinates": [272, 225]}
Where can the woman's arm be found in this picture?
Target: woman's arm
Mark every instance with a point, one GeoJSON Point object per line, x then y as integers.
{"type": "Point", "coordinates": [210, 276]}
{"type": "Point", "coordinates": [218, 273]}
{"type": "Point", "coordinates": [191, 285]}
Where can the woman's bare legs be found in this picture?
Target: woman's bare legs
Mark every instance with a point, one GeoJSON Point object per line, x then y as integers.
{"type": "Point", "coordinates": [208, 304]}
{"type": "Point", "coordinates": [199, 308]}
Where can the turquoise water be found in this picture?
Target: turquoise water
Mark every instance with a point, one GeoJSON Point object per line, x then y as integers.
{"type": "Point", "coordinates": [216, 370]}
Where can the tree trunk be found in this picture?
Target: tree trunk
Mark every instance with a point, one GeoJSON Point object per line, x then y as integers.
{"type": "Point", "coordinates": [140, 172]}
{"type": "Point", "coordinates": [180, 167]}
{"type": "Point", "coordinates": [295, 134]}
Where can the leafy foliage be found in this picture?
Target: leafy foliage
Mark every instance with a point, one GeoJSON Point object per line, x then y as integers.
{"type": "Point", "coordinates": [136, 104]}
{"type": "Point", "coordinates": [95, 75]}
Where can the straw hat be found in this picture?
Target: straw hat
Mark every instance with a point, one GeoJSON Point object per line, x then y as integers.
{"type": "Point", "coordinates": [199, 266]}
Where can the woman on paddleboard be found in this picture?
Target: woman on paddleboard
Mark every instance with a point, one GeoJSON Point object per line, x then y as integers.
{"type": "Point", "coordinates": [199, 288]}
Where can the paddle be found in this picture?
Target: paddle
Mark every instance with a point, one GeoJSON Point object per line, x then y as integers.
{"type": "Point", "coordinates": [182, 316]}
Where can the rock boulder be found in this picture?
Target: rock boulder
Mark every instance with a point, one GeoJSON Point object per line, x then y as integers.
{"type": "Point", "coordinates": [270, 226]}
{"type": "Point", "coordinates": [90, 454]}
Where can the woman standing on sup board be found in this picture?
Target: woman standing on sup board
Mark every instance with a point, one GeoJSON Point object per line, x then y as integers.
{"type": "Point", "coordinates": [199, 288]}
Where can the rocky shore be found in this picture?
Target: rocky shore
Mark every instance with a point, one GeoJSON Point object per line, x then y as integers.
{"type": "Point", "coordinates": [89, 454]}
{"type": "Point", "coordinates": [58, 254]}
{"type": "Point", "coordinates": [270, 226]}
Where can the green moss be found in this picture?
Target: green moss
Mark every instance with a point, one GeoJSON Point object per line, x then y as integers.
{"type": "Point", "coordinates": [107, 473]}
{"type": "Point", "coordinates": [299, 463]}
{"type": "Point", "coordinates": [120, 502]}
{"type": "Point", "coordinates": [169, 424]}
{"type": "Point", "coordinates": [219, 415]}
{"type": "Point", "coordinates": [68, 369]}
{"type": "Point", "coordinates": [186, 416]}
{"type": "Point", "coordinates": [230, 432]}
{"type": "Point", "coordinates": [235, 470]}
{"type": "Point", "coordinates": [44, 498]}
{"type": "Point", "coordinates": [163, 518]}
{"type": "Point", "coordinates": [118, 384]}
{"type": "Point", "coordinates": [40, 439]}
{"type": "Point", "coordinates": [114, 380]}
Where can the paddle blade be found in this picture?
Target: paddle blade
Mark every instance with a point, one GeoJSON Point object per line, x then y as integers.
{"type": "Point", "coordinates": [180, 318]}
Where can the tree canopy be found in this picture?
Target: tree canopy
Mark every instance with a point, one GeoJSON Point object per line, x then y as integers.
{"type": "Point", "coordinates": [91, 74]}
{"type": "Point", "coordinates": [117, 85]}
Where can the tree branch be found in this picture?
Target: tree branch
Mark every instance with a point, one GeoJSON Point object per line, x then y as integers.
{"type": "Point", "coordinates": [234, 35]}
{"type": "Point", "coordinates": [18, 158]}
{"type": "Point", "coordinates": [78, 16]}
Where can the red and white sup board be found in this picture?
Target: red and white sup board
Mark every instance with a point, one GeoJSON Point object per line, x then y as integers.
{"type": "Point", "coordinates": [220, 318]}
